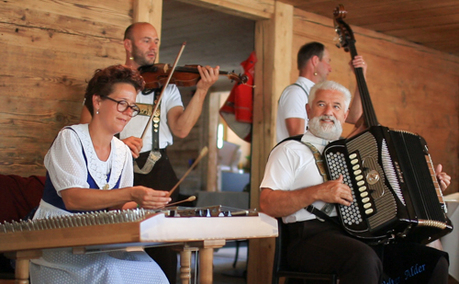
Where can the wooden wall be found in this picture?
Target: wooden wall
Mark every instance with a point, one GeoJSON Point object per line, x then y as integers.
{"type": "Point", "coordinates": [51, 48]}
{"type": "Point", "coordinates": [49, 51]}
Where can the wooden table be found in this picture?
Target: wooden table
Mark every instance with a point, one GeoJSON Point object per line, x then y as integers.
{"type": "Point", "coordinates": [185, 233]}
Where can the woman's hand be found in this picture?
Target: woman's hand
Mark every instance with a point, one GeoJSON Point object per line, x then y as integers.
{"type": "Point", "coordinates": [149, 198]}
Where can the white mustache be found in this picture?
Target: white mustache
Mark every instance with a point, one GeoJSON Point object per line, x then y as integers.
{"type": "Point", "coordinates": [328, 117]}
{"type": "Point", "coordinates": [323, 130]}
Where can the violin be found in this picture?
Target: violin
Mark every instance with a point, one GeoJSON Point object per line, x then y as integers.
{"type": "Point", "coordinates": [156, 75]}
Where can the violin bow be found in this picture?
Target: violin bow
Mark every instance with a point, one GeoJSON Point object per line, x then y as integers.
{"type": "Point", "coordinates": [163, 89]}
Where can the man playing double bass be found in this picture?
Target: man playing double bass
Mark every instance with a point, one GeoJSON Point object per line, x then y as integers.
{"type": "Point", "coordinates": [314, 65]}
{"type": "Point", "coordinates": [152, 166]}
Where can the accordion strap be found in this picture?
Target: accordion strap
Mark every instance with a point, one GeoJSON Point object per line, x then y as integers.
{"type": "Point", "coordinates": [319, 160]}
{"type": "Point", "coordinates": [323, 213]}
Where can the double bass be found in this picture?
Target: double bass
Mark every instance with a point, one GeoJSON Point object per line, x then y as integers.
{"type": "Point", "coordinates": [390, 173]}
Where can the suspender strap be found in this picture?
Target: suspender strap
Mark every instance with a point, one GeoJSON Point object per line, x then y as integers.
{"type": "Point", "coordinates": [323, 213]}
{"type": "Point", "coordinates": [155, 121]}
{"type": "Point", "coordinates": [319, 160]}
{"type": "Point", "coordinates": [296, 84]}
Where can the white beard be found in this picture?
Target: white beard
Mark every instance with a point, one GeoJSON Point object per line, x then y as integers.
{"type": "Point", "coordinates": [325, 131]}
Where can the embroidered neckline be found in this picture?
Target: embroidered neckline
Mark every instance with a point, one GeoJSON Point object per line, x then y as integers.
{"type": "Point", "coordinates": [96, 167]}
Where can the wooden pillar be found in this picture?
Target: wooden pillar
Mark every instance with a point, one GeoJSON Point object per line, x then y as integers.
{"type": "Point", "coordinates": [212, 157]}
{"type": "Point", "coordinates": [273, 46]}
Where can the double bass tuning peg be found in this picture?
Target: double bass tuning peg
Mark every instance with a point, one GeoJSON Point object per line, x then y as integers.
{"type": "Point", "coordinates": [337, 41]}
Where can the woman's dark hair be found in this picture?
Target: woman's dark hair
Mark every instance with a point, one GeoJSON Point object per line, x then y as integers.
{"type": "Point", "coordinates": [307, 51]}
{"type": "Point", "coordinates": [101, 84]}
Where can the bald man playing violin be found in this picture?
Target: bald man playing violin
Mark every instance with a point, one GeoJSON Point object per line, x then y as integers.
{"type": "Point", "coordinates": [141, 43]}
{"type": "Point", "coordinates": [152, 167]}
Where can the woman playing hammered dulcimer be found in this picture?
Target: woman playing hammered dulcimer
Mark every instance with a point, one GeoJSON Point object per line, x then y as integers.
{"type": "Point", "coordinates": [88, 169]}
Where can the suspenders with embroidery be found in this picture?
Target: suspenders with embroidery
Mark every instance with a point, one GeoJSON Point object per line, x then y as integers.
{"type": "Point", "coordinates": [155, 154]}
{"type": "Point", "coordinates": [155, 124]}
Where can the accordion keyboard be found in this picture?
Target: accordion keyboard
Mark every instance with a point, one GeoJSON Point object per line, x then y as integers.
{"type": "Point", "coordinates": [337, 165]}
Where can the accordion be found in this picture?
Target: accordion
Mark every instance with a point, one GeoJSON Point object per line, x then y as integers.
{"type": "Point", "coordinates": [394, 186]}
{"type": "Point", "coordinates": [391, 175]}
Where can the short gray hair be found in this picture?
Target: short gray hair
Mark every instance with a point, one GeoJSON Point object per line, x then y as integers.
{"type": "Point", "coordinates": [331, 85]}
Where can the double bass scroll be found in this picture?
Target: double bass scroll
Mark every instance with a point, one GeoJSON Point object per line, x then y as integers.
{"type": "Point", "coordinates": [347, 42]}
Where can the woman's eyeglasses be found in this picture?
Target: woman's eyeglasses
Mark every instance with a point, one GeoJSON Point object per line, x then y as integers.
{"type": "Point", "coordinates": [123, 105]}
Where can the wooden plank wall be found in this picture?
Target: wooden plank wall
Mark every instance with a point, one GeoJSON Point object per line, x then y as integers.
{"type": "Point", "coordinates": [412, 88]}
{"type": "Point", "coordinates": [51, 48]}
{"type": "Point", "coordinates": [49, 51]}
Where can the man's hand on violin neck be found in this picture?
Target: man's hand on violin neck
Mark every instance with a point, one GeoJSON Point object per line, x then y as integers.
{"type": "Point", "coordinates": [209, 76]}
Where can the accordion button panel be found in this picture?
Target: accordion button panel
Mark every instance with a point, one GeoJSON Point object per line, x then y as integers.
{"type": "Point", "coordinates": [337, 164]}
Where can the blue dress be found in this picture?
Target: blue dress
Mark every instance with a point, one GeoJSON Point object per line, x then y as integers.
{"type": "Point", "coordinates": [72, 162]}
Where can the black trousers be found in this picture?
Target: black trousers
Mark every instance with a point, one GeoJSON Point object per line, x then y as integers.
{"type": "Point", "coordinates": [324, 247]}
{"type": "Point", "coordinates": [161, 177]}
{"type": "Point", "coordinates": [414, 263]}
